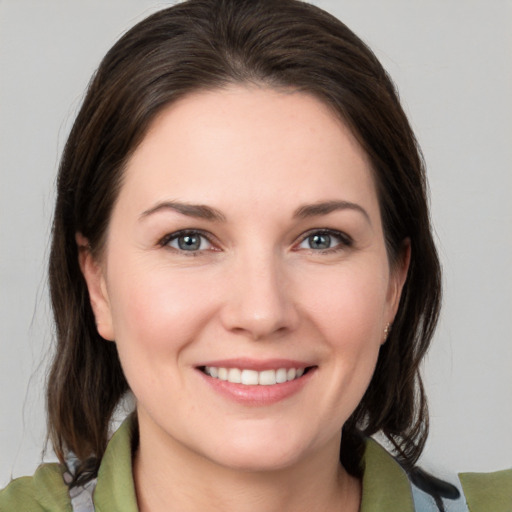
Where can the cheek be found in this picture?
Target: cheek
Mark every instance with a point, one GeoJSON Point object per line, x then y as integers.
{"type": "Point", "coordinates": [156, 312]}
{"type": "Point", "coordinates": [348, 311]}
{"type": "Point", "coordinates": [350, 305]}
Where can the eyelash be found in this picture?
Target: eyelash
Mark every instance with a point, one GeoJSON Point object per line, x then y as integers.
{"type": "Point", "coordinates": [167, 239]}
{"type": "Point", "coordinates": [345, 240]}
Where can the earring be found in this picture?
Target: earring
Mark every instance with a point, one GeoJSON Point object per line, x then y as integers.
{"type": "Point", "coordinates": [386, 331]}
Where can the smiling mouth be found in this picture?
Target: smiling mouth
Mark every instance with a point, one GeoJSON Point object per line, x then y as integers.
{"type": "Point", "coordinates": [254, 377]}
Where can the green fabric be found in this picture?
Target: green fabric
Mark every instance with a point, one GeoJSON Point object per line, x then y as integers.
{"type": "Point", "coordinates": [386, 487]}
{"type": "Point", "coordinates": [43, 492]}
{"type": "Point", "coordinates": [115, 490]}
{"type": "Point", "coordinates": [482, 490]}
{"type": "Point", "coordinates": [385, 484]}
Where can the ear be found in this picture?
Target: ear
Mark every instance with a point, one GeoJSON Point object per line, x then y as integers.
{"type": "Point", "coordinates": [94, 277]}
{"type": "Point", "coordinates": [398, 278]}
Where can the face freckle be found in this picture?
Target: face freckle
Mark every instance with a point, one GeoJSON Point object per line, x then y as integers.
{"type": "Point", "coordinates": [247, 240]}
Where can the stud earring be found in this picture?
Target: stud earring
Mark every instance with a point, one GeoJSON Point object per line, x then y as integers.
{"type": "Point", "coordinates": [386, 331]}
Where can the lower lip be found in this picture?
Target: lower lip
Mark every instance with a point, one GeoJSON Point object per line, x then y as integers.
{"type": "Point", "coordinates": [258, 395]}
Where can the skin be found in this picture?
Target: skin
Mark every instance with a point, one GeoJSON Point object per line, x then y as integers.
{"type": "Point", "coordinates": [256, 288]}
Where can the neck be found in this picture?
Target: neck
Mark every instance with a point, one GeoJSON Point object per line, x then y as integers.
{"type": "Point", "coordinates": [174, 478]}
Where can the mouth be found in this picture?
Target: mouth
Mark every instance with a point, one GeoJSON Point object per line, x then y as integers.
{"type": "Point", "coordinates": [250, 377]}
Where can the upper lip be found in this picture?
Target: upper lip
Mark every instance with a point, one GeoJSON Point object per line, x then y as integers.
{"type": "Point", "coordinates": [256, 364]}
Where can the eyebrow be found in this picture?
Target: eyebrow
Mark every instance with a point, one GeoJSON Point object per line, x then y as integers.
{"type": "Point", "coordinates": [324, 208]}
{"type": "Point", "coordinates": [198, 211]}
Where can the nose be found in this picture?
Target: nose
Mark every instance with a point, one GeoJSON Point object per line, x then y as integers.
{"type": "Point", "coordinates": [259, 298]}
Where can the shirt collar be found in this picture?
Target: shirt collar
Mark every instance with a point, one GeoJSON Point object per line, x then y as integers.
{"type": "Point", "coordinates": [386, 487]}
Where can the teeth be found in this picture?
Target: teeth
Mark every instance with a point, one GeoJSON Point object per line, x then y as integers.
{"type": "Point", "coordinates": [234, 375]}
{"type": "Point", "coordinates": [253, 377]}
{"type": "Point", "coordinates": [281, 375]}
{"type": "Point", "coordinates": [249, 377]}
{"type": "Point", "coordinates": [267, 378]}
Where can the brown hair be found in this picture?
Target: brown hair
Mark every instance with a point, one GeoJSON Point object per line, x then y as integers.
{"type": "Point", "coordinates": [207, 44]}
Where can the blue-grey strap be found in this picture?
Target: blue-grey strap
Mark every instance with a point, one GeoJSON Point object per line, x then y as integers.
{"type": "Point", "coordinates": [424, 502]}
{"type": "Point", "coordinates": [81, 496]}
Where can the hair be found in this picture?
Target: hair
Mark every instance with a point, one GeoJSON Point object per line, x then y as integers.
{"type": "Point", "coordinates": [209, 44]}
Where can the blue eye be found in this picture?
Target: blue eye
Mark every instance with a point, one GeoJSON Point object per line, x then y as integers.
{"type": "Point", "coordinates": [325, 240]}
{"type": "Point", "coordinates": [319, 241]}
{"type": "Point", "coordinates": [189, 241]}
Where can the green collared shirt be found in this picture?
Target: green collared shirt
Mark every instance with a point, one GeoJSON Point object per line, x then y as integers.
{"type": "Point", "coordinates": [386, 487]}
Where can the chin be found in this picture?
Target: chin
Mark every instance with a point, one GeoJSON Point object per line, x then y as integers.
{"type": "Point", "coordinates": [257, 462]}
{"type": "Point", "coordinates": [260, 453]}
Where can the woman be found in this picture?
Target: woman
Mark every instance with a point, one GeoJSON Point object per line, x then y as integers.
{"type": "Point", "coordinates": [241, 239]}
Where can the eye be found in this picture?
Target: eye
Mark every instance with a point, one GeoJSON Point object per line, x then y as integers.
{"type": "Point", "coordinates": [325, 240]}
{"type": "Point", "coordinates": [188, 241]}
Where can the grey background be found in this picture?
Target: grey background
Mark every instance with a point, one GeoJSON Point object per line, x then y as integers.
{"type": "Point", "coordinates": [452, 61]}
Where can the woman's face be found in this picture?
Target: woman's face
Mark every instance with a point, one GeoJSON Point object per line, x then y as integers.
{"type": "Point", "coordinates": [246, 244]}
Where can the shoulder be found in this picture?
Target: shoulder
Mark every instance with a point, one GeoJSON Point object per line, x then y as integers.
{"type": "Point", "coordinates": [45, 491]}
{"type": "Point", "coordinates": [488, 491]}
{"type": "Point", "coordinates": [387, 486]}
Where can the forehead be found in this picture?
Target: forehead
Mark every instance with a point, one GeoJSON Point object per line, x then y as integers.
{"type": "Point", "coordinates": [249, 143]}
